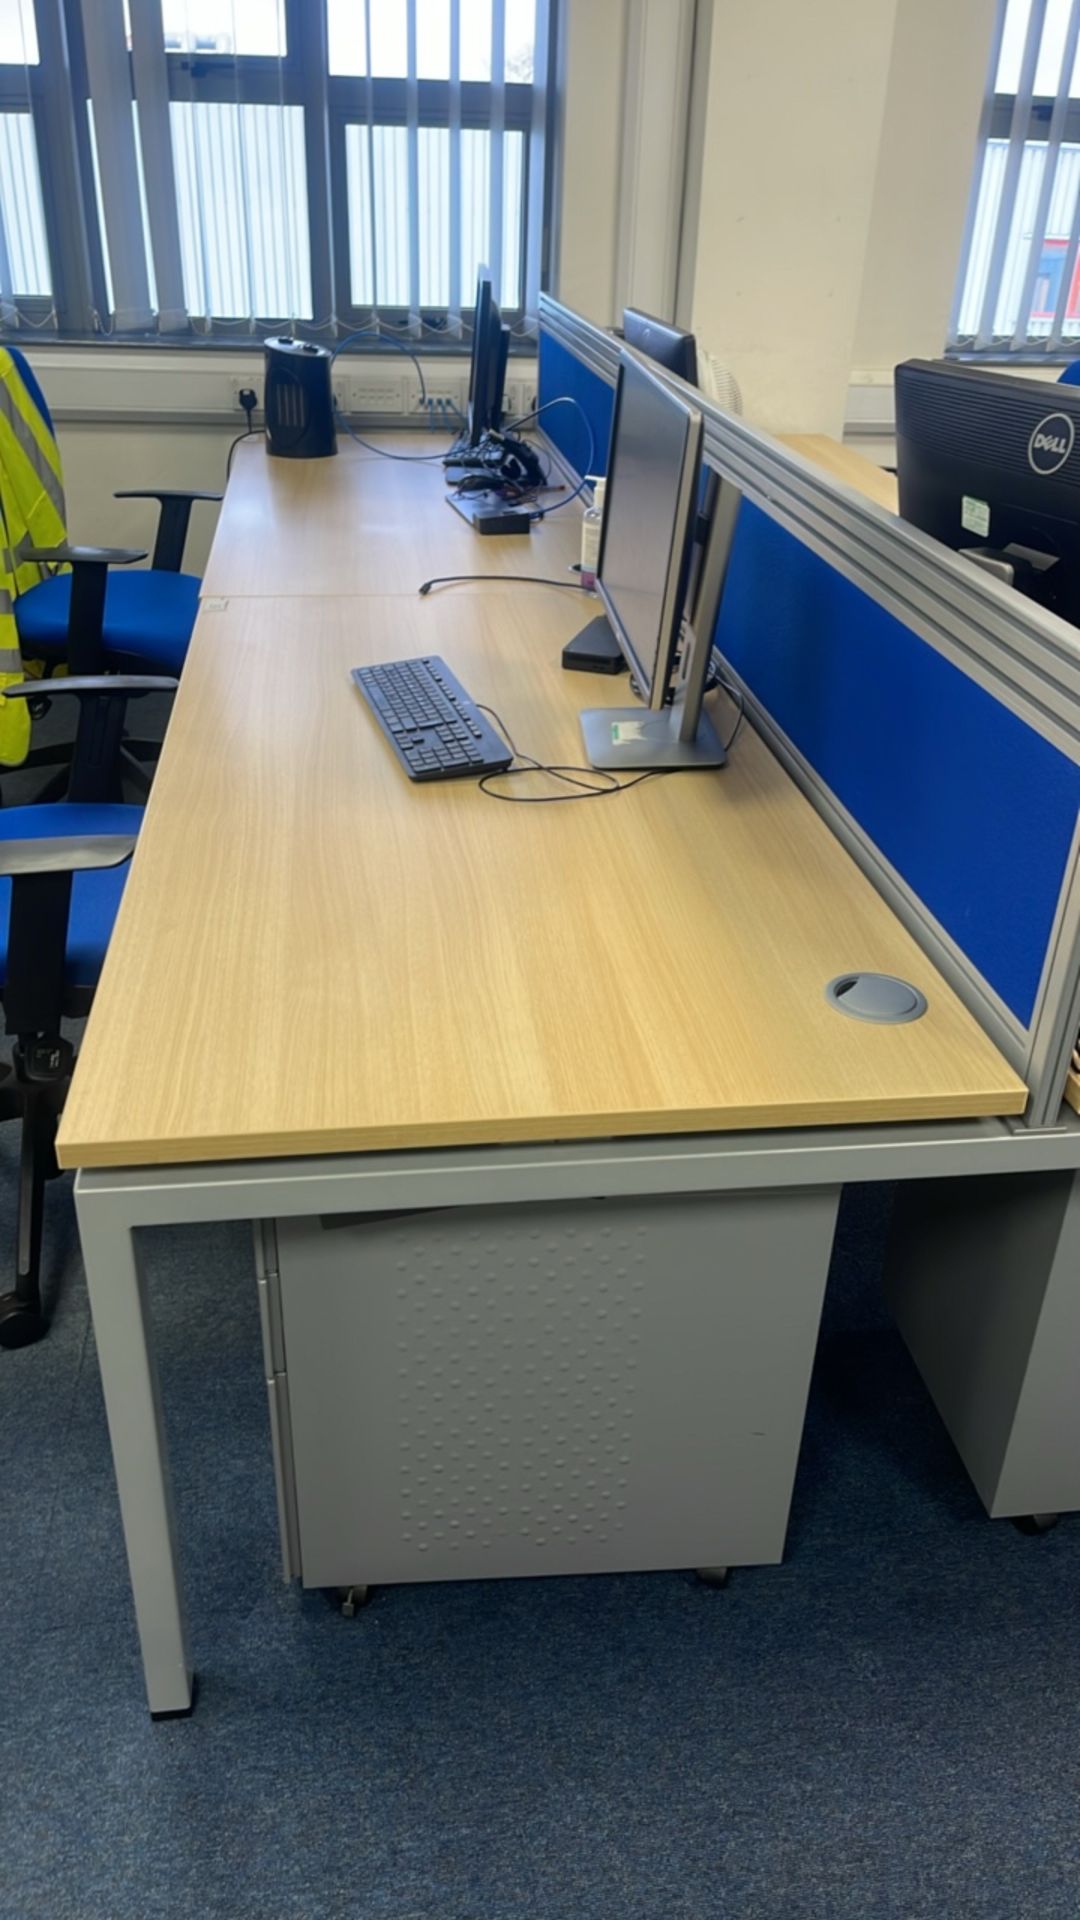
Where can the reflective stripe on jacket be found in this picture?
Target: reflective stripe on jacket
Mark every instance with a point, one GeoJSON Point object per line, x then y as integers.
{"type": "Point", "coordinates": [33, 511]}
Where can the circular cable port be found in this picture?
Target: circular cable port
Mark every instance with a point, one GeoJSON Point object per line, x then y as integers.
{"type": "Point", "coordinates": [879, 997]}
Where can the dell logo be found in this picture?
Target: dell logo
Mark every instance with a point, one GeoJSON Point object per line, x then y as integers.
{"type": "Point", "coordinates": [1051, 443]}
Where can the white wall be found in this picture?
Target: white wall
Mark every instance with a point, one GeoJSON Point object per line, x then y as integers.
{"type": "Point", "coordinates": [593, 72]}
{"type": "Point", "coordinates": [99, 460]}
{"type": "Point", "coordinates": [925, 163]}
{"type": "Point", "coordinates": [652, 168]}
{"type": "Point", "coordinates": [795, 109]}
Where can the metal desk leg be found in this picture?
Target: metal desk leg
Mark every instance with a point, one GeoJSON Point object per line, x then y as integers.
{"type": "Point", "coordinates": [983, 1276]}
{"type": "Point", "coordinates": [132, 1402]}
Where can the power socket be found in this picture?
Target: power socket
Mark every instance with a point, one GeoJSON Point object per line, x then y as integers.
{"type": "Point", "coordinates": [244, 383]}
{"type": "Point", "coordinates": [519, 398]}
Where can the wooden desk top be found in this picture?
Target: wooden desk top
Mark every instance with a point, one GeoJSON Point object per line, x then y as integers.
{"type": "Point", "coordinates": [847, 465]}
{"type": "Point", "coordinates": [361, 523]}
{"type": "Point", "coordinates": [314, 955]}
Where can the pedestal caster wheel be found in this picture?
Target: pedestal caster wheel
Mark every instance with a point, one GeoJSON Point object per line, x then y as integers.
{"type": "Point", "coordinates": [353, 1598]}
{"type": "Point", "coordinates": [1036, 1522]}
{"type": "Point", "coordinates": [714, 1576]}
{"type": "Point", "coordinates": [21, 1322]}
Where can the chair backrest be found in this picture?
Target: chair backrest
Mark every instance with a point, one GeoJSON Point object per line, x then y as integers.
{"type": "Point", "coordinates": [1070, 375]}
{"type": "Point", "coordinates": [30, 381]}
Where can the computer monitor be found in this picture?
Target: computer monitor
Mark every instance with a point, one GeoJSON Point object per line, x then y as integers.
{"type": "Point", "coordinates": [669, 346]}
{"type": "Point", "coordinates": [487, 364]}
{"type": "Point", "coordinates": [990, 465]}
{"type": "Point", "coordinates": [650, 507]}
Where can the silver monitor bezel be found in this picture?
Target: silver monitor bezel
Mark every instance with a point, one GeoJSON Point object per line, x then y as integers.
{"type": "Point", "coordinates": [655, 682]}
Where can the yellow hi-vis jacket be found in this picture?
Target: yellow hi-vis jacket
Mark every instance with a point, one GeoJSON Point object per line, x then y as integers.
{"type": "Point", "coordinates": [32, 507]}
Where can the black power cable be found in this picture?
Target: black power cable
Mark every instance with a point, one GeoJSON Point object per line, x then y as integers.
{"type": "Point", "coordinates": [249, 400]}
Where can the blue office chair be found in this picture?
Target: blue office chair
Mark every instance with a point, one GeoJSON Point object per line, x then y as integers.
{"type": "Point", "coordinates": [62, 873]}
{"type": "Point", "coordinates": [95, 620]}
{"type": "Point", "coordinates": [1070, 375]}
{"type": "Point", "coordinates": [144, 620]}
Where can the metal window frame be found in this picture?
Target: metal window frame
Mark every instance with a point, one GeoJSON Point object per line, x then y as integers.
{"type": "Point", "coordinates": [1050, 120]}
{"type": "Point", "coordinates": [56, 92]}
{"type": "Point", "coordinates": [465, 106]}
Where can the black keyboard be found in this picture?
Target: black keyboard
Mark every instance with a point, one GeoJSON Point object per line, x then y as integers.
{"type": "Point", "coordinates": [436, 730]}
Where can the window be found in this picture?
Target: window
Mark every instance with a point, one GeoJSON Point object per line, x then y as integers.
{"type": "Point", "coordinates": [228, 166]}
{"type": "Point", "coordinates": [1019, 287]}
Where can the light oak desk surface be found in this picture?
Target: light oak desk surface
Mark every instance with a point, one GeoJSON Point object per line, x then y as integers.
{"type": "Point", "coordinates": [315, 955]}
{"type": "Point", "coordinates": [847, 465]}
{"type": "Point", "coordinates": [362, 523]}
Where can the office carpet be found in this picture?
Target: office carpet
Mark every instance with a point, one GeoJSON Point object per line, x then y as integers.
{"type": "Point", "coordinates": [887, 1725]}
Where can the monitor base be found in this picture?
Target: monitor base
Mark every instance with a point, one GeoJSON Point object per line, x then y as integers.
{"type": "Point", "coordinates": [635, 738]}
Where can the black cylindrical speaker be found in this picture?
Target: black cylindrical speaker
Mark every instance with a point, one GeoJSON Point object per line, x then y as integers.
{"type": "Point", "coordinates": [299, 401]}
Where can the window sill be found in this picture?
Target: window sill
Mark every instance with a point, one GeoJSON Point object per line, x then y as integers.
{"type": "Point", "coordinates": [1003, 357]}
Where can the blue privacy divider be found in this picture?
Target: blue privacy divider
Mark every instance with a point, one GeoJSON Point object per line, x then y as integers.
{"type": "Point", "coordinates": [562, 373]}
{"type": "Point", "coordinates": [973, 808]}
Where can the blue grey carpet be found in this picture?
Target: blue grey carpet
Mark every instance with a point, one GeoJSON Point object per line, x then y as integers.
{"type": "Point", "coordinates": [887, 1725]}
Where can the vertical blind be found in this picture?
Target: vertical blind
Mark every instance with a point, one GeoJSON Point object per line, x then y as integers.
{"type": "Point", "coordinates": [243, 164]}
{"type": "Point", "coordinates": [1019, 288]}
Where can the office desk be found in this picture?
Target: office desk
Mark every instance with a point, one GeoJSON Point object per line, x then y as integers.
{"type": "Point", "coordinates": [854, 469]}
{"type": "Point", "coordinates": [361, 523]}
{"type": "Point", "coordinates": [387, 965]}
{"type": "Point", "coordinates": [561, 1079]}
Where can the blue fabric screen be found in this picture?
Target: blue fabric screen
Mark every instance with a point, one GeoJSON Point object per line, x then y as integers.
{"type": "Point", "coordinates": [562, 373]}
{"type": "Point", "coordinates": [969, 804]}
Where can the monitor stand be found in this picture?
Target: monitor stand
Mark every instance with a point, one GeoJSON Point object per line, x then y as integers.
{"type": "Point", "coordinates": [641, 739]}
{"type": "Point", "coordinates": [637, 738]}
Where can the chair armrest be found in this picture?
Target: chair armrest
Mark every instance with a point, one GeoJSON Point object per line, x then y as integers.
{"type": "Point", "coordinates": [165, 493]}
{"type": "Point", "coordinates": [175, 504]}
{"type": "Point", "coordinates": [65, 853]}
{"type": "Point", "coordinates": [102, 684]}
{"type": "Point", "coordinates": [42, 876]}
{"type": "Point", "coordinates": [67, 555]}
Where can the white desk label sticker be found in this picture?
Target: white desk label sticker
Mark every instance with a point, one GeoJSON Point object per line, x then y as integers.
{"type": "Point", "coordinates": [975, 516]}
{"type": "Point", "coordinates": [214, 605]}
{"type": "Point", "coordinates": [623, 730]}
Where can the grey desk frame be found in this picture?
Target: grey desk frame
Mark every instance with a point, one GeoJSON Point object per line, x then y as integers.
{"type": "Point", "coordinates": [113, 1205]}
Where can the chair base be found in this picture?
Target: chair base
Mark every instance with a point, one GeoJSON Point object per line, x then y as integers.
{"type": "Point", "coordinates": [22, 1323]}
{"type": "Point", "coordinates": [34, 1091]}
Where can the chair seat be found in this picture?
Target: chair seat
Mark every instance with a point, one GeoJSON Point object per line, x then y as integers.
{"type": "Point", "coordinates": [95, 894]}
{"type": "Point", "coordinates": [148, 618]}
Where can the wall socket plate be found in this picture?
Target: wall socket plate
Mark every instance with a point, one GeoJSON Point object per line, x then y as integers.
{"type": "Point", "coordinates": [379, 393]}
{"type": "Point", "coordinates": [451, 388]}
{"type": "Point", "coordinates": [240, 383]}
{"type": "Point", "coordinates": [520, 398]}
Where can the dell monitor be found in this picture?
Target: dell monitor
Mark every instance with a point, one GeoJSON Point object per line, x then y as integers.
{"type": "Point", "coordinates": [669, 346]}
{"type": "Point", "coordinates": [990, 465]}
{"type": "Point", "coordinates": [642, 571]}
